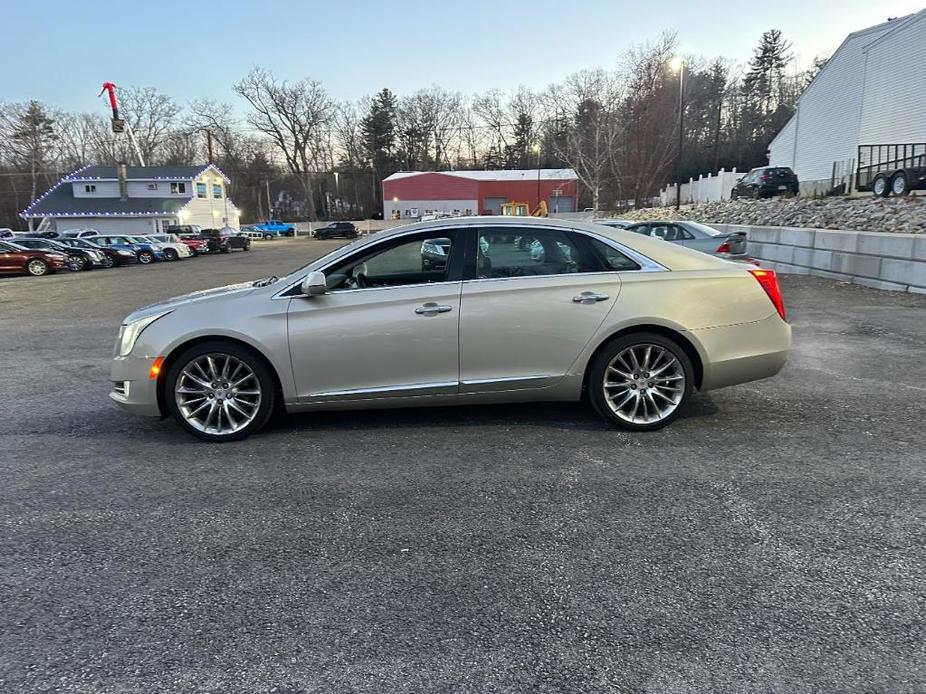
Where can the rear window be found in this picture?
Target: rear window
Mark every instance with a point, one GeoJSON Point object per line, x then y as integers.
{"type": "Point", "coordinates": [779, 171]}
{"type": "Point", "coordinates": [704, 229]}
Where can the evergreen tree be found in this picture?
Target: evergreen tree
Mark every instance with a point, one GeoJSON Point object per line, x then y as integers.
{"type": "Point", "coordinates": [379, 137]}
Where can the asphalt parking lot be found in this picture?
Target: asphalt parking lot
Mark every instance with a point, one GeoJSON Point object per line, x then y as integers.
{"type": "Point", "coordinates": [771, 540]}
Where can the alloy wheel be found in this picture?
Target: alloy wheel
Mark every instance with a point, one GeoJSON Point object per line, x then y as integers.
{"type": "Point", "coordinates": [75, 263]}
{"type": "Point", "coordinates": [37, 268]}
{"type": "Point", "coordinates": [218, 394]}
{"type": "Point", "coordinates": [145, 258]}
{"type": "Point", "coordinates": [644, 384]}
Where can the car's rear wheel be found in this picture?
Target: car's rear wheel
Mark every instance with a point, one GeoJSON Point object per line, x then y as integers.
{"type": "Point", "coordinates": [220, 391]}
{"type": "Point", "coordinates": [640, 381]}
{"type": "Point", "coordinates": [880, 187]}
{"type": "Point", "coordinates": [36, 267]}
{"type": "Point", "coordinates": [146, 257]}
{"type": "Point", "coordinates": [75, 263]}
{"type": "Point", "coordinates": [899, 185]}
{"type": "Point", "coordinates": [170, 254]}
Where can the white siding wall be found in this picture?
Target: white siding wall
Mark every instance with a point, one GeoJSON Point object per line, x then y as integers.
{"type": "Point", "coordinates": [210, 212]}
{"type": "Point", "coordinates": [108, 225]}
{"type": "Point", "coordinates": [104, 189]}
{"type": "Point", "coordinates": [139, 189]}
{"type": "Point", "coordinates": [781, 151]}
{"type": "Point", "coordinates": [894, 104]}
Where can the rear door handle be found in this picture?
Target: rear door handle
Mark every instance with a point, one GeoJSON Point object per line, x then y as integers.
{"type": "Point", "coordinates": [432, 309]}
{"type": "Point", "coordinates": [589, 298]}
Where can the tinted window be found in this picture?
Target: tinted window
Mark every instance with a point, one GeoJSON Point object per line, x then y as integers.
{"type": "Point", "coordinates": [420, 261]}
{"type": "Point", "coordinates": [612, 258]}
{"type": "Point", "coordinates": [526, 252]}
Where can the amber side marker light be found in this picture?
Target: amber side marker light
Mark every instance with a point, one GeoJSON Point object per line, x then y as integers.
{"type": "Point", "coordinates": [155, 368]}
{"type": "Point", "coordinates": [769, 281]}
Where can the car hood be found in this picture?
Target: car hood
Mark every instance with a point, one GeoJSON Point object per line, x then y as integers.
{"type": "Point", "coordinates": [201, 296]}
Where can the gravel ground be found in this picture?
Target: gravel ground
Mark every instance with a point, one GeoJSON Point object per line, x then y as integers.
{"type": "Point", "coordinates": [905, 215]}
{"type": "Point", "coordinates": [769, 541]}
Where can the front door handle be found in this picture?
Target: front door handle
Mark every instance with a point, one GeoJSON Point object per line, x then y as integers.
{"type": "Point", "coordinates": [589, 298]}
{"type": "Point", "coordinates": [432, 309]}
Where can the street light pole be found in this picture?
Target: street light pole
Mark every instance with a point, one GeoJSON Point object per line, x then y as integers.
{"type": "Point", "coordinates": [681, 116]}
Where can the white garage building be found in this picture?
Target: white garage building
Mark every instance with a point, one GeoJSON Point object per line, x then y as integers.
{"type": "Point", "coordinates": [871, 92]}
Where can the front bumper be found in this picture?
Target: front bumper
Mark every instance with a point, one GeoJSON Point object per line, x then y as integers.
{"type": "Point", "coordinates": [133, 389]}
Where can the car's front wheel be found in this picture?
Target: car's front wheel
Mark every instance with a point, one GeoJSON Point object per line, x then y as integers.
{"type": "Point", "coordinates": [220, 391]}
{"type": "Point", "coordinates": [640, 381]}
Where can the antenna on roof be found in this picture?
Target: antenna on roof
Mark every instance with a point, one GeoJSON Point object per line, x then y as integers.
{"type": "Point", "coordinates": [119, 124]}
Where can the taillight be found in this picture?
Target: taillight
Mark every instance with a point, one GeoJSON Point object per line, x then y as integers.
{"type": "Point", "coordinates": [723, 248]}
{"type": "Point", "coordinates": [769, 281]}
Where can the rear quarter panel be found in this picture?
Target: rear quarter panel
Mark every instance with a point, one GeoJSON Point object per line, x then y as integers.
{"type": "Point", "coordinates": [724, 313]}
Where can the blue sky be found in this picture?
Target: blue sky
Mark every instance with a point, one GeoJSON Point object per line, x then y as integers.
{"type": "Point", "coordinates": [61, 51]}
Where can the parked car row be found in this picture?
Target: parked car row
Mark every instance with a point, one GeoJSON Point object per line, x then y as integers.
{"type": "Point", "coordinates": [700, 237]}
{"type": "Point", "coordinates": [44, 253]}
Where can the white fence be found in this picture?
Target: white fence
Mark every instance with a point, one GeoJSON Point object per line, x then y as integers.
{"type": "Point", "coordinates": [710, 188]}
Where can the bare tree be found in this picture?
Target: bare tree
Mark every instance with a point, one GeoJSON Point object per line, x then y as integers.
{"type": "Point", "coordinates": [30, 137]}
{"type": "Point", "coordinates": [294, 117]}
{"type": "Point", "coordinates": [152, 117]}
{"type": "Point", "coordinates": [587, 108]}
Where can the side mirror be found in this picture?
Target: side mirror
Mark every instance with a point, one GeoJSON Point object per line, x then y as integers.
{"type": "Point", "coordinates": [314, 284]}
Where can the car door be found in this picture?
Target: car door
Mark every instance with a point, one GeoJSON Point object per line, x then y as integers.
{"type": "Point", "coordinates": [387, 327]}
{"type": "Point", "coordinates": [11, 259]}
{"type": "Point", "coordinates": [529, 307]}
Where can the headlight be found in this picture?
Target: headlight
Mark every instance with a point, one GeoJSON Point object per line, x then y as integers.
{"type": "Point", "coordinates": [129, 332]}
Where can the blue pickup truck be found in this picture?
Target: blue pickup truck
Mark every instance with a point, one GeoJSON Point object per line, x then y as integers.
{"type": "Point", "coordinates": [274, 227]}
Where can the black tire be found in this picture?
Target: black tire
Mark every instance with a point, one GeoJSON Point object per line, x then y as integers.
{"type": "Point", "coordinates": [170, 254]}
{"type": "Point", "coordinates": [146, 257]}
{"type": "Point", "coordinates": [899, 185]}
{"type": "Point", "coordinates": [880, 187]}
{"type": "Point", "coordinates": [75, 263]}
{"type": "Point", "coordinates": [756, 194]}
{"type": "Point", "coordinates": [733, 194]}
{"type": "Point", "coordinates": [597, 371]}
{"type": "Point", "coordinates": [108, 261]}
{"type": "Point", "coordinates": [37, 267]}
{"type": "Point", "coordinates": [246, 246]}
{"type": "Point", "coordinates": [264, 376]}
{"type": "Point", "coordinates": [225, 249]}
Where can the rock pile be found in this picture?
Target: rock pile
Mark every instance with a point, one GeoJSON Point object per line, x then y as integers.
{"type": "Point", "coordinates": [860, 214]}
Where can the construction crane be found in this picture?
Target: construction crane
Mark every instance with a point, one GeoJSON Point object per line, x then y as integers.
{"type": "Point", "coordinates": [119, 124]}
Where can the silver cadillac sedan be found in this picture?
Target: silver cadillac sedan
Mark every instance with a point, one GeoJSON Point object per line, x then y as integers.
{"type": "Point", "coordinates": [462, 310]}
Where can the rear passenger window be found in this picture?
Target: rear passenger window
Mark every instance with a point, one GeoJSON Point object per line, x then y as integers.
{"type": "Point", "coordinates": [611, 258]}
{"type": "Point", "coordinates": [526, 252]}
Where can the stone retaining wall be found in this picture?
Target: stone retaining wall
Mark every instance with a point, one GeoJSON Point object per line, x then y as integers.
{"type": "Point", "coordinates": [882, 260]}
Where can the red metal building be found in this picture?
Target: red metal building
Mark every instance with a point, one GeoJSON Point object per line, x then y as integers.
{"type": "Point", "coordinates": [413, 194]}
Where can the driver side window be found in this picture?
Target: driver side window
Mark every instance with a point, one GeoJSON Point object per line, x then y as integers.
{"type": "Point", "coordinates": [424, 260]}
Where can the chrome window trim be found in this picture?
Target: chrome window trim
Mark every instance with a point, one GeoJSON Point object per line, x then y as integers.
{"type": "Point", "coordinates": [646, 263]}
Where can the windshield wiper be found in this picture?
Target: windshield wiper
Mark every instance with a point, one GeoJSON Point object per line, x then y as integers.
{"type": "Point", "coordinates": [266, 281]}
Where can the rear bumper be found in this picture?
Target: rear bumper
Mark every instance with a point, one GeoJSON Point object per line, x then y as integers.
{"type": "Point", "coordinates": [743, 353]}
{"type": "Point", "coordinates": [133, 390]}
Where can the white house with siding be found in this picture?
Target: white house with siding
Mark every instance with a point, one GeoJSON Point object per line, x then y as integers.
{"type": "Point", "coordinates": [871, 91]}
{"type": "Point", "coordinates": [136, 199]}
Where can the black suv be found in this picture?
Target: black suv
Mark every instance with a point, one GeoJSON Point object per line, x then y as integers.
{"type": "Point", "coordinates": [225, 240]}
{"type": "Point", "coordinates": [344, 230]}
{"type": "Point", "coordinates": [766, 182]}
